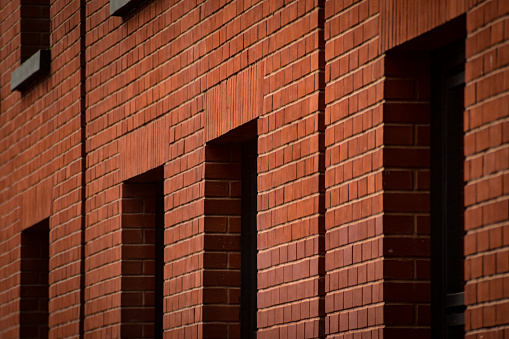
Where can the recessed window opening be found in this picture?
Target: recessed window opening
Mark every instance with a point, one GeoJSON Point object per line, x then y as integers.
{"type": "Point", "coordinates": [143, 255]}
{"type": "Point", "coordinates": [34, 281]}
{"type": "Point", "coordinates": [230, 233]}
{"type": "Point", "coordinates": [35, 27]}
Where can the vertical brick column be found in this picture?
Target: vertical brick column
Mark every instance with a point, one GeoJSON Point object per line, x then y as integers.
{"type": "Point", "coordinates": [406, 198]}
{"type": "Point", "coordinates": [291, 200]}
{"type": "Point", "coordinates": [221, 259]}
{"type": "Point", "coordinates": [486, 125]}
{"type": "Point", "coordinates": [353, 176]}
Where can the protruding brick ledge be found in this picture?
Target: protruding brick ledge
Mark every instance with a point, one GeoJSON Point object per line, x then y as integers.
{"type": "Point", "coordinates": [31, 69]}
{"type": "Point", "coordinates": [122, 7]}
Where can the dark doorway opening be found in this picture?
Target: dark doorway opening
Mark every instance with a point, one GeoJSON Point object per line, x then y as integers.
{"type": "Point", "coordinates": [248, 241]}
{"type": "Point", "coordinates": [447, 231]}
{"type": "Point", "coordinates": [34, 281]}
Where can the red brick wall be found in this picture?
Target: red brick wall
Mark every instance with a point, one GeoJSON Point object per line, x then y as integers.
{"type": "Point", "coordinates": [486, 164]}
{"type": "Point", "coordinates": [353, 177]}
{"type": "Point", "coordinates": [127, 95]}
{"type": "Point", "coordinates": [41, 166]}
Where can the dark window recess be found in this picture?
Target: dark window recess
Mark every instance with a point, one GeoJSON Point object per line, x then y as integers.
{"type": "Point", "coordinates": [143, 255]}
{"type": "Point", "coordinates": [447, 230]}
{"type": "Point", "coordinates": [35, 27]}
{"type": "Point", "coordinates": [123, 7]}
{"type": "Point", "coordinates": [34, 43]}
{"type": "Point", "coordinates": [34, 281]}
{"type": "Point", "coordinates": [248, 284]}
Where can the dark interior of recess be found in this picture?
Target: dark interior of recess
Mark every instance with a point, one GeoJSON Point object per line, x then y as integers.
{"type": "Point", "coordinates": [34, 281]}
{"type": "Point", "coordinates": [248, 235]}
{"type": "Point", "coordinates": [447, 278]}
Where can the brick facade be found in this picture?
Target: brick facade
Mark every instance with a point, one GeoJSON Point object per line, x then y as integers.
{"type": "Point", "coordinates": [123, 186]}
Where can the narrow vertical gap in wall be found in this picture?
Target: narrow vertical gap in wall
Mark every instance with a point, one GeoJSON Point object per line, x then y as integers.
{"type": "Point", "coordinates": [248, 236]}
{"type": "Point", "coordinates": [447, 231]}
{"type": "Point", "coordinates": [143, 255]}
{"type": "Point", "coordinates": [230, 242]}
{"type": "Point", "coordinates": [83, 150]}
{"type": "Point", "coordinates": [321, 167]}
{"type": "Point", "coordinates": [34, 281]}
{"type": "Point", "coordinates": [423, 181]}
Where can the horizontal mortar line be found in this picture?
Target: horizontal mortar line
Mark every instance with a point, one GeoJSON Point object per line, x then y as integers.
{"type": "Point", "coordinates": [183, 51]}
{"type": "Point", "coordinates": [100, 207]}
{"type": "Point", "coordinates": [89, 286]}
{"type": "Point", "coordinates": [12, 211]}
{"type": "Point", "coordinates": [344, 225]}
{"type": "Point", "coordinates": [291, 202]}
{"type": "Point", "coordinates": [291, 242]}
{"type": "Point", "coordinates": [345, 9]}
{"type": "Point", "coordinates": [185, 204]}
{"type": "Point", "coordinates": [273, 112]}
{"type": "Point", "coordinates": [162, 115]}
{"type": "Point", "coordinates": [356, 157]}
{"type": "Point", "coordinates": [373, 128]}
{"type": "Point", "coordinates": [485, 152]}
{"type": "Point", "coordinates": [58, 311]}
{"type": "Point", "coordinates": [488, 75]}
{"type": "Point", "coordinates": [483, 203]}
{"type": "Point", "coordinates": [174, 23]}
{"type": "Point", "coordinates": [101, 235]}
{"type": "Point", "coordinates": [487, 278]}
{"type": "Point", "coordinates": [355, 264]}
{"type": "Point", "coordinates": [487, 100]}
{"type": "Point", "coordinates": [482, 304]}
{"type": "Point", "coordinates": [300, 239]}
{"type": "Point", "coordinates": [28, 176]}
{"type": "Point", "coordinates": [41, 98]}
{"type": "Point", "coordinates": [351, 51]}
{"type": "Point", "coordinates": [283, 68]}
{"type": "Point", "coordinates": [294, 82]}
{"type": "Point", "coordinates": [354, 222]}
{"type": "Point", "coordinates": [290, 263]}
{"type": "Point", "coordinates": [484, 228]}
{"type": "Point", "coordinates": [482, 53]}
{"type": "Point", "coordinates": [38, 128]}
{"type": "Point", "coordinates": [500, 249]}
{"type": "Point", "coordinates": [486, 125]}
{"type": "Point", "coordinates": [311, 155]}
{"type": "Point", "coordinates": [287, 26]}
{"type": "Point", "coordinates": [486, 25]}
{"type": "Point", "coordinates": [357, 91]}
{"type": "Point", "coordinates": [93, 195]}
{"type": "Point", "coordinates": [484, 330]}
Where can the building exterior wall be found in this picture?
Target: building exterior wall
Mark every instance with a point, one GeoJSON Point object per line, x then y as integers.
{"type": "Point", "coordinates": [341, 109]}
